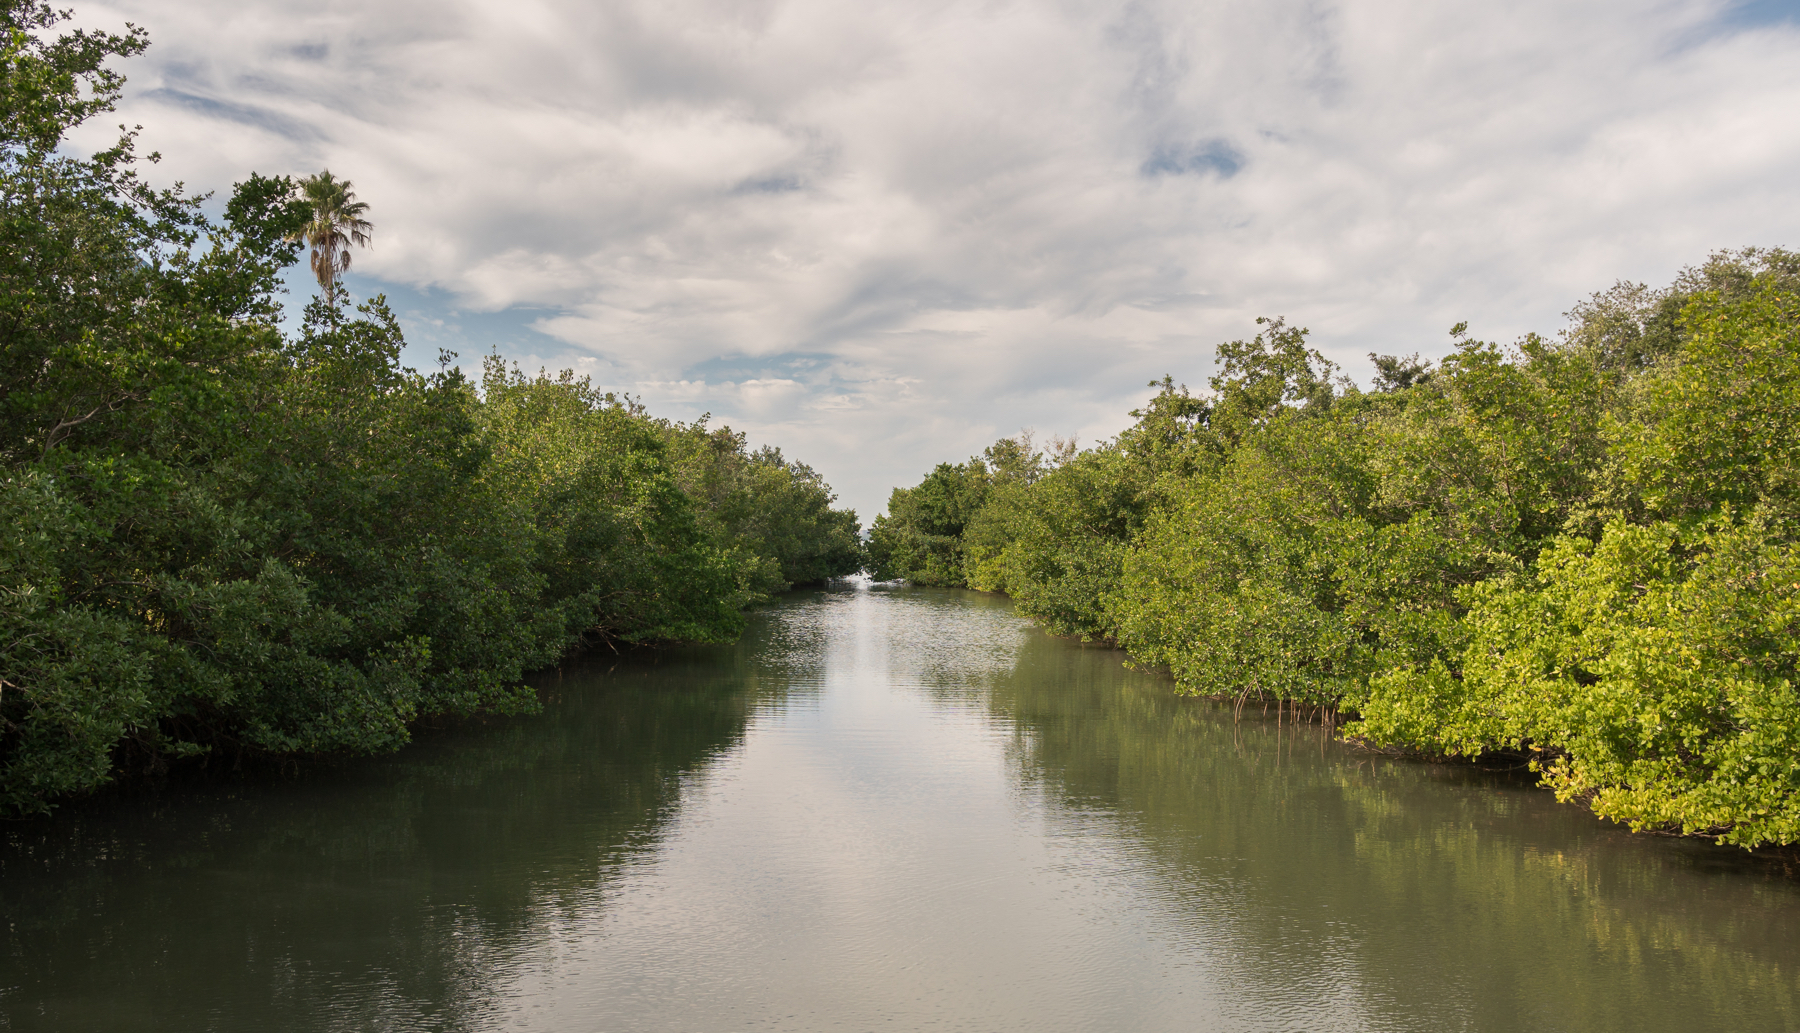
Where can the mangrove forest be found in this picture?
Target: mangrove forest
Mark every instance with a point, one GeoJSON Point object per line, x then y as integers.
{"type": "Point", "coordinates": [1576, 552]}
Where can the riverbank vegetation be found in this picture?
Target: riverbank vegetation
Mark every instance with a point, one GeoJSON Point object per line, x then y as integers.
{"type": "Point", "coordinates": [225, 535]}
{"type": "Point", "coordinates": [1579, 550]}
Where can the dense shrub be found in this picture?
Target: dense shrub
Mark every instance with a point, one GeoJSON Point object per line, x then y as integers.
{"type": "Point", "coordinates": [220, 535]}
{"type": "Point", "coordinates": [1577, 550]}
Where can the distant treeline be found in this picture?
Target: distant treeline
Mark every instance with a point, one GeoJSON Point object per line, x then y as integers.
{"type": "Point", "coordinates": [221, 536]}
{"type": "Point", "coordinates": [1580, 551]}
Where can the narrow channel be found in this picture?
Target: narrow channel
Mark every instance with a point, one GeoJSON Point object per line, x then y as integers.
{"type": "Point", "coordinates": [885, 809]}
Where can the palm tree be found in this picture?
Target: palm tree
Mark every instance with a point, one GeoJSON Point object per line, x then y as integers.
{"type": "Point", "coordinates": [337, 222]}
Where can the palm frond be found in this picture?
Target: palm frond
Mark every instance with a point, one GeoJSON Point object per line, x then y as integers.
{"type": "Point", "coordinates": [337, 223]}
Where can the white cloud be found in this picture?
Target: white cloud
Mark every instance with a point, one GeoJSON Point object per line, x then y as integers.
{"type": "Point", "coordinates": [882, 234]}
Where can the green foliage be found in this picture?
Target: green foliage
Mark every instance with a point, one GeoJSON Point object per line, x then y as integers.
{"type": "Point", "coordinates": [1577, 550]}
{"type": "Point", "coordinates": [768, 507]}
{"type": "Point", "coordinates": [1652, 664]}
{"type": "Point", "coordinates": [1654, 671]}
{"type": "Point", "coordinates": [1718, 425]}
{"type": "Point", "coordinates": [589, 487]}
{"type": "Point", "coordinates": [1055, 544]}
{"type": "Point", "coordinates": [1260, 379]}
{"type": "Point", "coordinates": [920, 536]}
{"type": "Point", "coordinates": [1238, 588]}
{"type": "Point", "coordinates": [1049, 528]}
{"type": "Point", "coordinates": [50, 84]}
{"type": "Point", "coordinates": [222, 536]}
{"type": "Point", "coordinates": [1327, 547]}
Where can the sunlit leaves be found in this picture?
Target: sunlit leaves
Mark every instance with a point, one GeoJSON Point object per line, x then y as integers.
{"type": "Point", "coordinates": [1579, 551]}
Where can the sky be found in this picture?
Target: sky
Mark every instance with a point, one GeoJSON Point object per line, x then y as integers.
{"type": "Point", "coordinates": [881, 235]}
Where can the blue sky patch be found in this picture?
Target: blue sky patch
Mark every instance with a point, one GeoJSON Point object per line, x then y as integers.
{"type": "Point", "coordinates": [1216, 156]}
{"type": "Point", "coordinates": [434, 319]}
{"type": "Point", "coordinates": [1752, 14]}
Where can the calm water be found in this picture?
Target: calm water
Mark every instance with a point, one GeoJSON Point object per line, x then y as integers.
{"type": "Point", "coordinates": [884, 810]}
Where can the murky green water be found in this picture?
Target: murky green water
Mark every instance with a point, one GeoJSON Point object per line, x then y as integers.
{"type": "Point", "coordinates": [884, 810]}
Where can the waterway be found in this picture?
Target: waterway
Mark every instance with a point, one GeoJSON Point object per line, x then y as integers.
{"type": "Point", "coordinates": [884, 809]}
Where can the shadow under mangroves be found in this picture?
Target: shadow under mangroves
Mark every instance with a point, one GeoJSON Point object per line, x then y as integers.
{"type": "Point", "coordinates": [385, 893]}
{"type": "Point", "coordinates": [1393, 894]}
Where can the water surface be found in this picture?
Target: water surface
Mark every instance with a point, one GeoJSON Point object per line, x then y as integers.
{"type": "Point", "coordinates": [885, 809]}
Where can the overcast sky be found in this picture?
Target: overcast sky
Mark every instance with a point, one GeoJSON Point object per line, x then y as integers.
{"type": "Point", "coordinates": [882, 234]}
